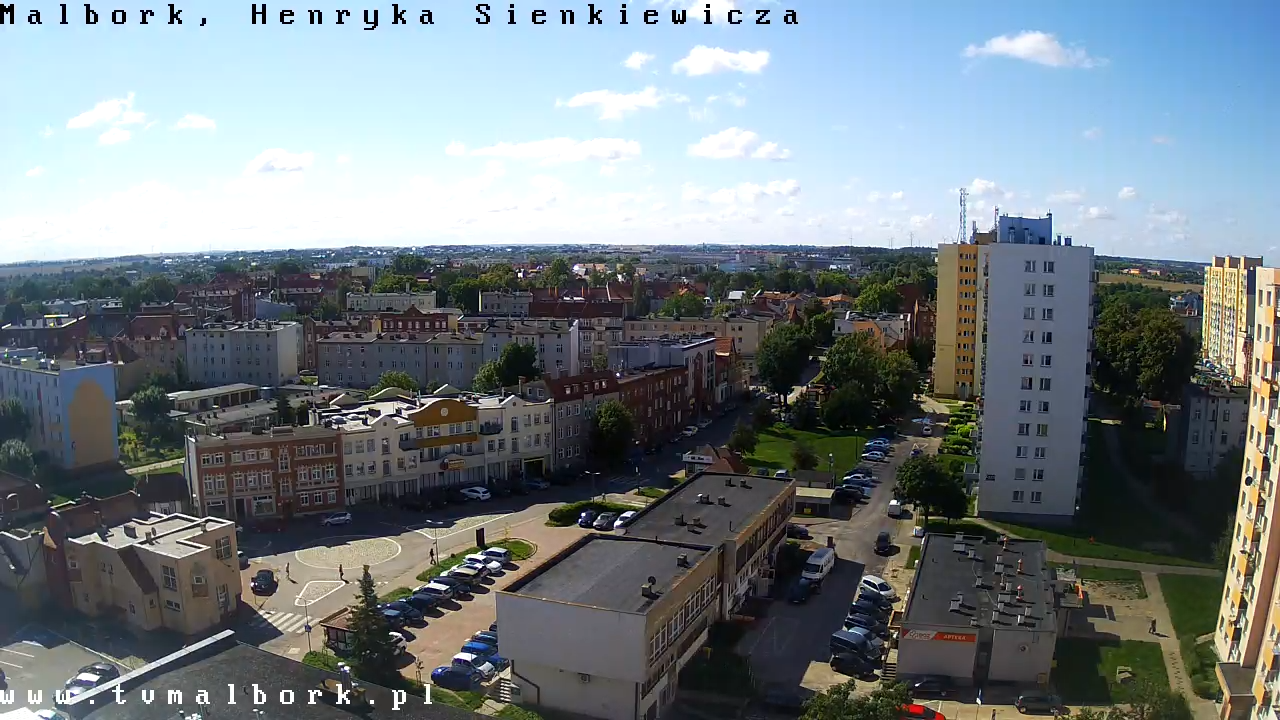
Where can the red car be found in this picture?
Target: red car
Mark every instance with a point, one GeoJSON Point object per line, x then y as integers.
{"type": "Point", "coordinates": [920, 712]}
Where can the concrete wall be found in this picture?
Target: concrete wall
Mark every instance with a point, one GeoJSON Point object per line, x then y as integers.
{"type": "Point", "coordinates": [88, 395]}
{"type": "Point", "coordinates": [1022, 656]}
{"type": "Point", "coordinates": [955, 660]}
{"type": "Point", "coordinates": [550, 673]}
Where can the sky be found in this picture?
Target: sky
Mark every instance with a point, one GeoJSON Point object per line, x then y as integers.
{"type": "Point", "coordinates": [1148, 129]}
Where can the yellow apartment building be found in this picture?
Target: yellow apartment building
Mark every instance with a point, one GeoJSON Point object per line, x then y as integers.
{"type": "Point", "coordinates": [1247, 638]}
{"type": "Point", "coordinates": [956, 341]}
{"type": "Point", "coordinates": [1229, 285]}
{"type": "Point", "coordinates": [156, 571]}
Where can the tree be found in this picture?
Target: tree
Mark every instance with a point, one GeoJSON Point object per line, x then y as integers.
{"type": "Point", "coordinates": [802, 456]}
{"type": "Point", "coordinates": [612, 430]}
{"type": "Point", "coordinates": [925, 483]}
{"type": "Point", "coordinates": [782, 357]}
{"type": "Point", "coordinates": [407, 264]}
{"type": "Point", "coordinates": [628, 271]}
{"type": "Point", "coordinates": [13, 313]}
{"type": "Point", "coordinates": [640, 298]}
{"type": "Point", "coordinates": [898, 379]}
{"type": "Point", "coordinates": [830, 283]}
{"type": "Point", "coordinates": [327, 310]}
{"type": "Point", "coordinates": [841, 702]}
{"type": "Point", "coordinates": [464, 294]}
{"type": "Point", "coordinates": [743, 439]}
{"type": "Point", "coordinates": [761, 417]}
{"type": "Point", "coordinates": [14, 421]}
{"type": "Point", "coordinates": [804, 416]}
{"type": "Point", "coordinates": [371, 649]}
{"type": "Point", "coordinates": [395, 379]}
{"type": "Point", "coordinates": [683, 305]}
{"type": "Point", "coordinates": [16, 458]}
{"type": "Point", "coordinates": [821, 328]}
{"type": "Point", "coordinates": [151, 405]}
{"type": "Point", "coordinates": [486, 378]}
{"type": "Point", "coordinates": [1148, 702]}
{"type": "Point", "coordinates": [557, 273]}
{"type": "Point", "coordinates": [921, 351]}
{"type": "Point", "coordinates": [847, 408]}
{"type": "Point", "coordinates": [1142, 354]}
{"type": "Point", "coordinates": [284, 411]}
{"type": "Point", "coordinates": [393, 283]}
{"type": "Point", "coordinates": [599, 361]}
{"type": "Point", "coordinates": [288, 266]}
{"type": "Point", "coordinates": [853, 359]}
{"type": "Point", "coordinates": [878, 297]}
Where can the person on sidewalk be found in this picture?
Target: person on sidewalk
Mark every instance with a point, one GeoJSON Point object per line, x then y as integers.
{"type": "Point", "coordinates": [286, 572]}
{"type": "Point", "coordinates": [1153, 626]}
{"type": "Point", "coordinates": [341, 575]}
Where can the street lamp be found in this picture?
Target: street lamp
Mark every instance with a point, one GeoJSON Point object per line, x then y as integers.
{"type": "Point", "coordinates": [831, 464]}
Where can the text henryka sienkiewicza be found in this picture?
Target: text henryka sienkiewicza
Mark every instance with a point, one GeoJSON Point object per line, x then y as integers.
{"type": "Point", "coordinates": [373, 18]}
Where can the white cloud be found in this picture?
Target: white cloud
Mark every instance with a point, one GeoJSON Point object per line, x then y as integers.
{"type": "Point", "coordinates": [195, 122]}
{"type": "Point", "coordinates": [920, 222]}
{"type": "Point", "coordinates": [887, 223]}
{"type": "Point", "coordinates": [815, 221]}
{"type": "Point", "coordinates": [114, 136]}
{"type": "Point", "coordinates": [787, 211]}
{"type": "Point", "coordinates": [1092, 133]}
{"type": "Point", "coordinates": [703, 60]}
{"type": "Point", "coordinates": [104, 112]}
{"type": "Point", "coordinates": [1127, 193]}
{"type": "Point", "coordinates": [36, 171]}
{"type": "Point", "coordinates": [344, 159]}
{"type": "Point", "coordinates": [130, 117]}
{"type": "Point", "coordinates": [1070, 197]}
{"type": "Point", "coordinates": [985, 188]}
{"type": "Point", "coordinates": [608, 170]}
{"type": "Point", "coordinates": [1162, 140]}
{"type": "Point", "coordinates": [278, 160]}
{"type": "Point", "coordinates": [897, 195]}
{"type": "Point", "coordinates": [1156, 216]}
{"type": "Point", "coordinates": [47, 132]}
{"type": "Point", "coordinates": [855, 212]}
{"type": "Point", "coordinates": [1098, 213]}
{"type": "Point", "coordinates": [563, 150]}
{"type": "Point", "coordinates": [875, 196]}
{"type": "Point", "coordinates": [692, 193]}
{"type": "Point", "coordinates": [737, 143]}
{"type": "Point", "coordinates": [636, 60]}
{"type": "Point", "coordinates": [455, 149]}
{"type": "Point", "coordinates": [1034, 47]}
{"type": "Point", "coordinates": [614, 106]}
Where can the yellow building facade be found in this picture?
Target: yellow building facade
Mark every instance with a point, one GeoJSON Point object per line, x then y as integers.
{"type": "Point", "coordinates": [954, 369]}
{"type": "Point", "coordinates": [1227, 323]}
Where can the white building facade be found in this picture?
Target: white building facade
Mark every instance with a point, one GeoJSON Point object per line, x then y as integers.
{"type": "Point", "coordinates": [1035, 337]}
{"type": "Point", "coordinates": [517, 436]}
{"type": "Point", "coordinates": [391, 302]}
{"type": "Point", "coordinates": [261, 352]}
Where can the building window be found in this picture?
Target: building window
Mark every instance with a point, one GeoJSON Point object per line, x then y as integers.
{"type": "Point", "coordinates": [1028, 265]}
{"type": "Point", "coordinates": [1048, 291]}
{"type": "Point", "coordinates": [1048, 267]}
{"type": "Point", "coordinates": [1024, 406]}
{"type": "Point", "coordinates": [172, 605]}
{"type": "Point", "coordinates": [1028, 359]}
{"type": "Point", "coordinates": [1022, 451]}
{"type": "Point", "coordinates": [222, 548]}
{"type": "Point", "coordinates": [1046, 337]}
{"type": "Point", "coordinates": [1038, 474]}
{"type": "Point", "coordinates": [1035, 496]}
{"type": "Point", "coordinates": [1042, 430]}
{"type": "Point", "coordinates": [170, 577]}
{"type": "Point", "coordinates": [1029, 289]}
{"type": "Point", "coordinates": [1046, 314]}
{"type": "Point", "coordinates": [1040, 453]}
{"type": "Point", "coordinates": [1044, 406]}
{"type": "Point", "coordinates": [1046, 361]}
{"type": "Point", "coordinates": [1028, 336]}
{"type": "Point", "coordinates": [1045, 385]}
{"type": "Point", "coordinates": [1019, 473]}
{"type": "Point", "coordinates": [1017, 496]}
{"type": "Point", "coordinates": [1024, 428]}
{"type": "Point", "coordinates": [1026, 383]}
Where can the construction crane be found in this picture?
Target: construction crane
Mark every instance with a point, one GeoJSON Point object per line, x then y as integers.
{"type": "Point", "coordinates": [962, 234]}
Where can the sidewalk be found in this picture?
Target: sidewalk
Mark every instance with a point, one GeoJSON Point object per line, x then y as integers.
{"type": "Point", "coordinates": [1178, 680]}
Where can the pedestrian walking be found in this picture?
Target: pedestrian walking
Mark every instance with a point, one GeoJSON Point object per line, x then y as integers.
{"type": "Point", "coordinates": [1153, 626]}
{"type": "Point", "coordinates": [433, 556]}
{"type": "Point", "coordinates": [286, 572]}
{"type": "Point", "coordinates": [341, 575]}
{"type": "Point", "coordinates": [993, 714]}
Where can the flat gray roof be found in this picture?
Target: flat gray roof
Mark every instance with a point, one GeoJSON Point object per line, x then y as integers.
{"type": "Point", "coordinates": [608, 571]}
{"type": "Point", "coordinates": [946, 572]}
{"type": "Point", "coordinates": [745, 498]}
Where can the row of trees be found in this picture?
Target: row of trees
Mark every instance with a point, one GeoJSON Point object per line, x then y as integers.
{"type": "Point", "coordinates": [1142, 349]}
{"type": "Point", "coordinates": [15, 456]}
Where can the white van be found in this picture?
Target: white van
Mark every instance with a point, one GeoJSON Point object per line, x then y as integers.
{"type": "Point", "coordinates": [895, 509]}
{"type": "Point", "coordinates": [819, 564]}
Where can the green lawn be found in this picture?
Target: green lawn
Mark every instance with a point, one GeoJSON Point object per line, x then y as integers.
{"type": "Point", "coordinates": [913, 557]}
{"type": "Point", "coordinates": [1201, 660]}
{"type": "Point", "coordinates": [1192, 601]}
{"type": "Point", "coordinates": [399, 593]}
{"type": "Point", "coordinates": [651, 492]}
{"type": "Point", "coordinates": [1085, 670]}
{"type": "Point", "coordinates": [774, 449]}
{"type": "Point", "coordinates": [520, 550]}
{"type": "Point", "coordinates": [137, 449]}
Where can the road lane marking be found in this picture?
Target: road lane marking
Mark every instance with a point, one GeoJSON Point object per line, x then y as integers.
{"type": "Point", "coordinates": [446, 532]}
{"type": "Point", "coordinates": [302, 599]}
{"type": "Point", "coordinates": [10, 664]}
{"type": "Point", "coordinates": [15, 652]}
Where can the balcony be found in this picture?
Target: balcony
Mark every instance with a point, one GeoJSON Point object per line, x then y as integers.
{"type": "Point", "coordinates": [1250, 564]}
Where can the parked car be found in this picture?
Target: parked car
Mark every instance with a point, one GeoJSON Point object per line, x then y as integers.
{"type": "Point", "coordinates": [103, 670]}
{"type": "Point", "coordinates": [877, 444]}
{"type": "Point", "coordinates": [455, 677]}
{"type": "Point", "coordinates": [476, 663]}
{"type": "Point", "coordinates": [859, 620]}
{"type": "Point", "coordinates": [605, 521]}
{"type": "Point", "coordinates": [1038, 702]}
{"type": "Point", "coordinates": [801, 590]}
{"type": "Point", "coordinates": [781, 474]}
{"type": "Point", "coordinates": [468, 574]}
{"type": "Point", "coordinates": [798, 532]}
{"type": "Point", "coordinates": [479, 649]}
{"type": "Point", "coordinates": [853, 664]}
{"type": "Point", "coordinates": [481, 571]}
{"type": "Point", "coordinates": [459, 585]}
{"type": "Point", "coordinates": [873, 456]}
{"type": "Point", "coordinates": [883, 543]}
{"type": "Point", "coordinates": [860, 478]}
{"type": "Point", "coordinates": [876, 600]}
{"type": "Point", "coordinates": [436, 590]}
{"type": "Point", "coordinates": [690, 430]}
{"type": "Point", "coordinates": [867, 607]}
{"type": "Point", "coordinates": [422, 602]}
{"type": "Point", "coordinates": [498, 554]}
{"type": "Point", "coordinates": [914, 711]}
{"type": "Point", "coordinates": [264, 582]}
{"type": "Point", "coordinates": [394, 618]}
{"type": "Point", "coordinates": [874, 638]}
{"type": "Point", "coordinates": [624, 519]}
{"type": "Point", "coordinates": [927, 430]}
{"type": "Point", "coordinates": [339, 518]}
{"type": "Point", "coordinates": [878, 585]}
{"type": "Point", "coordinates": [493, 566]}
{"type": "Point", "coordinates": [485, 636]}
{"type": "Point", "coordinates": [476, 493]}
{"type": "Point", "coordinates": [853, 488]}
{"type": "Point", "coordinates": [537, 484]}
{"type": "Point", "coordinates": [931, 685]}
{"type": "Point", "coordinates": [398, 644]}
{"type": "Point", "coordinates": [587, 519]}
{"type": "Point", "coordinates": [917, 532]}
{"type": "Point", "coordinates": [407, 611]}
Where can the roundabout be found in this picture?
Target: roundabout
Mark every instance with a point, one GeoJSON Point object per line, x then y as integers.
{"type": "Point", "coordinates": [351, 552]}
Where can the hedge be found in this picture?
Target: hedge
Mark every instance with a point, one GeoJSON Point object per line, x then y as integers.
{"type": "Point", "coordinates": [567, 515]}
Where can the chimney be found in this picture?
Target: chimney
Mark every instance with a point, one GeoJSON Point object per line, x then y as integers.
{"type": "Point", "coordinates": [131, 531]}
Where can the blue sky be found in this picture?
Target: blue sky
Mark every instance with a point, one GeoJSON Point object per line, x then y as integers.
{"type": "Point", "coordinates": [1148, 129]}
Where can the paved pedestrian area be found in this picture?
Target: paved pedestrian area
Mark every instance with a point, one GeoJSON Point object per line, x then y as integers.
{"type": "Point", "coordinates": [351, 553]}
{"type": "Point", "coordinates": [442, 529]}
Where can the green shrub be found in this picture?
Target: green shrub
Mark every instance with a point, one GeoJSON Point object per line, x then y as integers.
{"type": "Point", "coordinates": [567, 515]}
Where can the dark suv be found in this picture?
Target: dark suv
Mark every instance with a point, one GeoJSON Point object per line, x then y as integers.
{"type": "Point", "coordinates": [1038, 702]}
{"type": "Point", "coordinates": [883, 543]}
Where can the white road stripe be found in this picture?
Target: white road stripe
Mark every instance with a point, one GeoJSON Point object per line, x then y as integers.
{"type": "Point", "coordinates": [294, 624]}
{"type": "Point", "coordinates": [10, 664]}
{"type": "Point", "coordinates": [15, 652]}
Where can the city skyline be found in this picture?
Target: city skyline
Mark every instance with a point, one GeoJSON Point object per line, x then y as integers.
{"type": "Point", "coordinates": [832, 131]}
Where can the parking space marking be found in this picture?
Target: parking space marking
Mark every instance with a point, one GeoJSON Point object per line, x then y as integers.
{"type": "Point", "coordinates": [307, 596]}
{"type": "Point", "coordinates": [15, 652]}
{"type": "Point", "coordinates": [10, 664]}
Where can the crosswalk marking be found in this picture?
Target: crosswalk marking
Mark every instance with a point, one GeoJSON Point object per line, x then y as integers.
{"type": "Point", "coordinates": [283, 621]}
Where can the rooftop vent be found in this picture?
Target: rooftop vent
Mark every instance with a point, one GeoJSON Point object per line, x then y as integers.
{"type": "Point", "coordinates": [728, 482]}
{"type": "Point", "coordinates": [680, 519]}
{"type": "Point", "coordinates": [972, 554]}
{"type": "Point", "coordinates": [130, 531]}
{"type": "Point", "coordinates": [697, 522]}
{"type": "Point", "coordinates": [683, 561]}
{"type": "Point", "coordinates": [973, 622]}
{"type": "Point", "coordinates": [959, 537]}
{"type": "Point", "coordinates": [999, 559]}
{"type": "Point", "coordinates": [723, 501]}
{"type": "Point", "coordinates": [1003, 598]}
{"type": "Point", "coordinates": [1022, 620]}
{"type": "Point", "coordinates": [704, 499]}
{"type": "Point", "coordinates": [995, 617]}
{"type": "Point", "coordinates": [647, 591]}
{"type": "Point", "coordinates": [960, 547]}
{"type": "Point", "coordinates": [999, 569]}
{"type": "Point", "coordinates": [746, 483]}
{"type": "Point", "coordinates": [1000, 608]}
{"type": "Point", "coordinates": [977, 582]}
{"type": "Point", "coordinates": [955, 606]}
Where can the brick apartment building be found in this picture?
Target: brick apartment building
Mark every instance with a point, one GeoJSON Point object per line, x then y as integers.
{"type": "Point", "coordinates": [305, 291]}
{"type": "Point", "coordinates": [267, 474]}
{"type": "Point", "coordinates": [313, 330]}
{"type": "Point", "coordinates": [414, 320]}
{"type": "Point", "coordinates": [159, 340]}
{"type": "Point", "coordinates": [226, 291]}
{"type": "Point", "coordinates": [659, 402]}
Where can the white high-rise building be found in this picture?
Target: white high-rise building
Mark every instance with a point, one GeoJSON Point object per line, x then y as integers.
{"type": "Point", "coordinates": [1035, 340]}
{"type": "Point", "coordinates": [261, 352]}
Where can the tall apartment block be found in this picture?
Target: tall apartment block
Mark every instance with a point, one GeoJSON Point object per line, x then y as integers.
{"type": "Point", "coordinates": [261, 352]}
{"type": "Point", "coordinates": [1248, 633]}
{"type": "Point", "coordinates": [1229, 287]}
{"type": "Point", "coordinates": [71, 405]}
{"type": "Point", "coordinates": [955, 372]}
{"type": "Point", "coordinates": [1035, 336]}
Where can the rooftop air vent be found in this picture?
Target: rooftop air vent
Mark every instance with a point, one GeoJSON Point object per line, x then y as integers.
{"type": "Point", "coordinates": [680, 519]}
{"type": "Point", "coordinates": [1022, 620]}
{"type": "Point", "coordinates": [723, 501]}
{"type": "Point", "coordinates": [683, 561]}
{"type": "Point", "coordinates": [1000, 608]}
{"type": "Point", "coordinates": [977, 582]}
{"type": "Point", "coordinates": [974, 622]}
{"type": "Point", "coordinates": [999, 559]}
{"type": "Point", "coordinates": [697, 522]}
{"type": "Point", "coordinates": [728, 482]}
{"type": "Point", "coordinates": [955, 606]}
{"type": "Point", "coordinates": [999, 569]}
{"type": "Point", "coordinates": [746, 483]}
{"type": "Point", "coordinates": [960, 548]}
{"type": "Point", "coordinates": [703, 499]}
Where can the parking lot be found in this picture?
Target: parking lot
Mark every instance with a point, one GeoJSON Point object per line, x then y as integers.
{"type": "Point", "coordinates": [37, 662]}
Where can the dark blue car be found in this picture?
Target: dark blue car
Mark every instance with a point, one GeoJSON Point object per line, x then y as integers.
{"type": "Point", "coordinates": [406, 610]}
{"type": "Point", "coordinates": [455, 678]}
